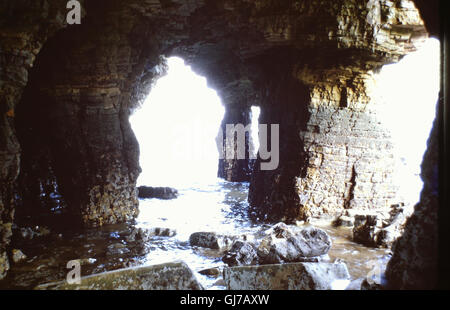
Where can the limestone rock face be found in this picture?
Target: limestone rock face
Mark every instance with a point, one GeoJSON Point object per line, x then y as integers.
{"type": "Point", "coordinates": [168, 276]}
{"type": "Point", "coordinates": [293, 276]}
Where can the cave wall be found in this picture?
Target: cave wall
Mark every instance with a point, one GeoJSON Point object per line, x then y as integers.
{"type": "Point", "coordinates": [307, 64]}
{"type": "Point", "coordinates": [88, 80]}
{"type": "Point", "coordinates": [25, 27]}
{"type": "Point", "coordinates": [350, 153]}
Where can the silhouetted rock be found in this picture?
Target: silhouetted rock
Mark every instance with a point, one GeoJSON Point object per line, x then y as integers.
{"type": "Point", "coordinates": [212, 240]}
{"type": "Point", "coordinates": [157, 192]}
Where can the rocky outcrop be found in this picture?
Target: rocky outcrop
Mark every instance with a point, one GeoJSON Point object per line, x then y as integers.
{"type": "Point", "coordinates": [168, 276]}
{"type": "Point", "coordinates": [293, 276]}
{"type": "Point", "coordinates": [157, 192]}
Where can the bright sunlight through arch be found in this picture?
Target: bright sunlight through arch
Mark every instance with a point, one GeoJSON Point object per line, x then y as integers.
{"type": "Point", "coordinates": [409, 92]}
{"type": "Point", "coordinates": [177, 128]}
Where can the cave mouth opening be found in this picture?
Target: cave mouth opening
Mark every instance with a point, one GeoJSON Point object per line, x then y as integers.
{"type": "Point", "coordinates": [408, 94]}
{"type": "Point", "coordinates": [176, 128]}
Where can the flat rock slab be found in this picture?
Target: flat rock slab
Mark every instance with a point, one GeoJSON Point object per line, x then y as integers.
{"type": "Point", "coordinates": [291, 276]}
{"type": "Point", "coordinates": [168, 276]}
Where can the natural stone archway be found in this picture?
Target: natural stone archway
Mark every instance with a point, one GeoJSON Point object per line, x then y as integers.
{"type": "Point", "coordinates": [84, 100]}
{"type": "Point", "coordinates": [307, 64]}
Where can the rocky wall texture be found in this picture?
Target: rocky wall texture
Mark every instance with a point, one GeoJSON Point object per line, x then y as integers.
{"type": "Point", "coordinates": [25, 27]}
{"type": "Point", "coordinates": [86, 83]}
{"type": "Point", "coordinates": [284, 101]}
{"type": "Point", "coordinates": [350, 162]}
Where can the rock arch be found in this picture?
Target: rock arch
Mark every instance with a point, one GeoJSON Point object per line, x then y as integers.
{"type": "Point", "coordinates": [67, 92]}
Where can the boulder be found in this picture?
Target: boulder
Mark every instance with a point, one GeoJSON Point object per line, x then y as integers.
{"type": "Point", "coordinates": [211, 272]}
{"type": "Point", "coordinates": [241, 254]}
{"type": "Point", "coordinates": [380, 230]}
{"type": "Point", "coordinates": [145, 234]}
{"type": "Point", "coordinates": [366, 229]}
{"type": "Point", "coordinates": [285, 244]}
{"type": "Point", "coordinates": [117, 249]}
{"type": "Point", "coordinates": [33, 232]}
{"type": "Point", "coordinates": [17, 256]}
{"type": "Point", "coordinates": [344, 221]}
{"type": "Point", "coordinates": [370, 286]}
{"type": "Point", "coordinates": [168, 276]}
{"type": "Point", "coordinates": [157, 192]}
{"type": "Point", "coordinates": [212, 240]}
{"type": "Point", "coordinates": [291, 276]}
